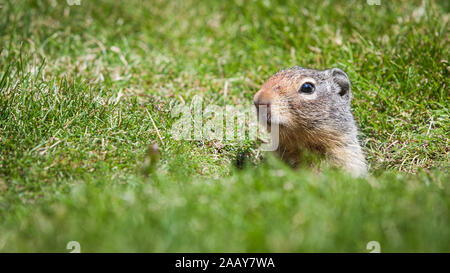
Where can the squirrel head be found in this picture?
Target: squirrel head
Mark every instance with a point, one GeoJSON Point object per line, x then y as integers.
{"type": "Point", "coordinates": [312, 103]}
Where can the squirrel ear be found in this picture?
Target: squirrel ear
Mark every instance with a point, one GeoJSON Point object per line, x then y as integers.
{"type": "Point", "coordinates": [341, 78]}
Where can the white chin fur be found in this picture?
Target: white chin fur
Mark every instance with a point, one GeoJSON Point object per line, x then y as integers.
{"type": "Point", "coordinates": [276, 117]}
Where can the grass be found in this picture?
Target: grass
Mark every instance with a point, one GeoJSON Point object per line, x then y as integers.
{"type": "Point", "coordinates": [80, 86]}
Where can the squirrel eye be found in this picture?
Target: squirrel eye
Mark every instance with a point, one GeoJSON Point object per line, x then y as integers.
{"type": "Point", "coordinates": [307, 88]}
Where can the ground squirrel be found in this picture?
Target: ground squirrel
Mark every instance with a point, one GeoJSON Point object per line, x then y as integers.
{"type": "Point", "coordinates": [313, 111]}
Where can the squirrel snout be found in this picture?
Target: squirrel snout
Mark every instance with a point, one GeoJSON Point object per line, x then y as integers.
{"type": "Point", "coordinates": [262, 98]}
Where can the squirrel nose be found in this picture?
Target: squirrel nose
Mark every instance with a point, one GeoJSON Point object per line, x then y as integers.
{"type": "Point", "coordinates": [261, 99]}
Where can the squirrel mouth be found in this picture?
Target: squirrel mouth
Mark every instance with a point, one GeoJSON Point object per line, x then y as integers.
{"type": "Point", "coordinates": [264, 116]}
